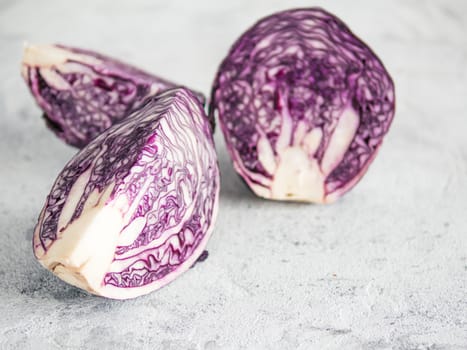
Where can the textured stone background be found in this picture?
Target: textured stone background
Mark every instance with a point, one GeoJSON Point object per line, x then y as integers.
{"type": "Point", "coordinates": [384, 268]}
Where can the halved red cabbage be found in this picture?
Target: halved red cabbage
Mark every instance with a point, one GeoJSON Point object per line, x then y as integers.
{"type": "Point", "coordinates": [303, 104]}
{"type": "Point", "coordinates": [82, 93]}
{"type": "Point", "coordinates": [134, 208]}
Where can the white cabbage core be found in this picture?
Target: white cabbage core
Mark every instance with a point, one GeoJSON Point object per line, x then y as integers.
{"type": "Point", "coordinates": [48, 56]}
{"type": "Point", "coordinates": [84, 249]}
{"type": "Point", "coordinates": [297, 175]}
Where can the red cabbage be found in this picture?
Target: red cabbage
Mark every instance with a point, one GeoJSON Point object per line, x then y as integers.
{"type": "Point", "coordinates": [134, 208]}
{"type": "Point", "coordinates": [303, 104]}
{"type": "Point", "coordinates": [82, 93]}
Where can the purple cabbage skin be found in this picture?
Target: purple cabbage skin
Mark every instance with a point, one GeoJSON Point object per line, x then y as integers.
{"type": "Point", "coordinates": [134, 208]}
{"type": "Point", "coordinates": [303, 104]}
{"type": "Point", "coordinates": [82, 93]}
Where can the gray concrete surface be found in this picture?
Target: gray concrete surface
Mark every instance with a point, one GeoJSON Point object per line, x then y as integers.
{"type": "Point", "coordinates": [384, 268]}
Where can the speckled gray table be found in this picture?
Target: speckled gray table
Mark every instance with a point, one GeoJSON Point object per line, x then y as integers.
{"type": "Point", "coordinates": [384, 268]}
